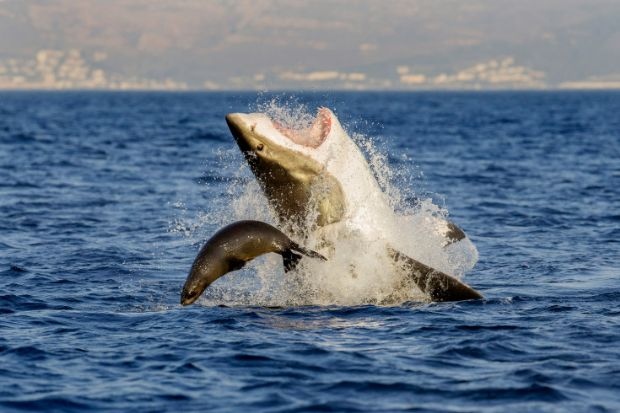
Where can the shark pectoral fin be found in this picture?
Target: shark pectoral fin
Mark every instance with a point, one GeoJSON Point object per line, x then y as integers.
{"type": "Point", "coordinates": [290, 260]}
{"type": "Point", "coordinates": [436, 284]}
{"type": "Point", "coordinates": [450, 232]}
{"type": "Point", "coordinates": [454, 233]}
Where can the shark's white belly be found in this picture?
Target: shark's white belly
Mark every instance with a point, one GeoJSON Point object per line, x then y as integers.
{"type": "Point", "coordinates": [371, 223]}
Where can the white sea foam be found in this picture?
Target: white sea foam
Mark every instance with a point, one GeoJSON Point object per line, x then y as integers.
{"type": "Point", "coordinates": [359, 269]}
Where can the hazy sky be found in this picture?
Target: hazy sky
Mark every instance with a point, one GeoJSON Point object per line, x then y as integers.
{"type": "Point", "coordinates": [310, 44]}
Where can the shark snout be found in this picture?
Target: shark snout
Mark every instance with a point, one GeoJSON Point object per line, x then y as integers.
{"type": "Point", "coordinates": [235, 124]}
{"type": "Point", "coordinates": [242, 128]}
{"type": "Point", "coordinates": [234, 118]}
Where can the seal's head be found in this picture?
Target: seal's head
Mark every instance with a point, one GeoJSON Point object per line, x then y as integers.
{"type": "Point", "coordinates": [189, 295]}
{"type": "Point", "coordinates": [191, 290]}
{"type": "Point", "coordinates": [203, 273]}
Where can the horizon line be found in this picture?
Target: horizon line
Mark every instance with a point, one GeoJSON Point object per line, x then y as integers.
{"type": "Point", "coordinates": [306, 90]}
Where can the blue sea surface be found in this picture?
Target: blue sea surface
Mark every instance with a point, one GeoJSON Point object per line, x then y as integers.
{"type": "Point", "coordinates": [98, 193]}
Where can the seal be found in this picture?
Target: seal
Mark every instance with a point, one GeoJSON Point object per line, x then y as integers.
{"type": "Point", "coordinates": [231, 247]}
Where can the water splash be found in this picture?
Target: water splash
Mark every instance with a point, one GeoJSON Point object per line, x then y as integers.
{"type": "Point", "coordinates": [358, 271]}
{"type": "Point", "coordinates": [287, 111]}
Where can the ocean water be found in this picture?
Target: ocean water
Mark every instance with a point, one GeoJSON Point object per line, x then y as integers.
{"type": "Point", "coordinates": [105, 199]}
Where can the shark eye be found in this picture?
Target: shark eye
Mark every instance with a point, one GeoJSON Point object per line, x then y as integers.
{"type": "Point", "coordinates": [260, 147]}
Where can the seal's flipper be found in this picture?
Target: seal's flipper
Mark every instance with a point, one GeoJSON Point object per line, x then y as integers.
{"type": "Point", "coordinates": [436, 284]}
{"type": "Point", "coordinates": [290, 259]}
{"type": "Point", "coordinates": [236, 264]}
{"type": "Point", "coordinates": [307, 252]}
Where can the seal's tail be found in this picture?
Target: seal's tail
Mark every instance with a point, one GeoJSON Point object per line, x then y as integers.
{"type": "Point", "coordinates": [291, 258]}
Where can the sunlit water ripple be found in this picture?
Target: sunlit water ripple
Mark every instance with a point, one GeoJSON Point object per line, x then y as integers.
{"type": "Point", "coordinates": [104, 199]}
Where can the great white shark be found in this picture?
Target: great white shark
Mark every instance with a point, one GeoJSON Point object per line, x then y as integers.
{"type": "Point", "coordinates": [321, 188]}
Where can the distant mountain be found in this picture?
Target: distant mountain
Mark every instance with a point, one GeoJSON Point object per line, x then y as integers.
{"type": "Point", "coordinates": [270, 44]}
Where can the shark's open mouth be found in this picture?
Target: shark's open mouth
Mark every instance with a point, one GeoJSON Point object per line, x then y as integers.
{"type": "Point", "coordinates": [312, 136]}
